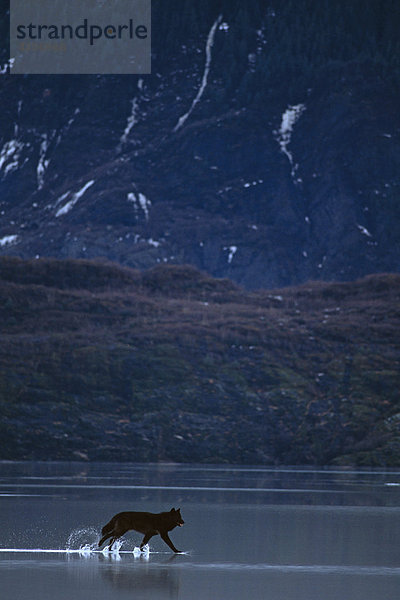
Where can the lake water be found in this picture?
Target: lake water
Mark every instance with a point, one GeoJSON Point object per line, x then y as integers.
{"type": "Point", "coordinates": [249, 533]}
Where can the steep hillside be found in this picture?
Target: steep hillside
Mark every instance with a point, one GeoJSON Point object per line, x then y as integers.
{"type": "Point", "coordinates": [264, 147]}
{"type": "Point", "coordinates": [103, 362]}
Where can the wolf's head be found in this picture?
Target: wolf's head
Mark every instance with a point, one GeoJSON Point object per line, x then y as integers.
{"type": "Point", "coordinates": [176, 517]}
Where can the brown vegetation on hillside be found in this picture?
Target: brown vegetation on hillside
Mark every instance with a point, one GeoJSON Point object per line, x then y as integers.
{"type": "Point", "coordinates": [103, 362]}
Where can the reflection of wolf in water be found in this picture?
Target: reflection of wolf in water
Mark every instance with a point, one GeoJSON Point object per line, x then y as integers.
{"type": "Point", "coordinates": [148, 523]}
{"type": "Point", "coordinates": [160, 582]}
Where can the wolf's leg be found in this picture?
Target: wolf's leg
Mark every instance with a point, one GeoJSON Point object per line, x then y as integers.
{"type": "Point", "coordinates": [167, 540]}
{"type": "Point", "coordinates": [113, 539]}
{"type": "Point", "coordinates": [116, 534]}
{"type": "Point", "coordinates": [146, 538]}
{"type": "Point", "coordinates": [104, 538]}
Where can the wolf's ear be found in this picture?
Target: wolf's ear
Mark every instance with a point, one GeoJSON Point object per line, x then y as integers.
{"type": "Point", "coordinates": [172, 510]}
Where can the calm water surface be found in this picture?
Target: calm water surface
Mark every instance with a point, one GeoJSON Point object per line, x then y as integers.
{"type": "Point", "coordinates": [253, 533]}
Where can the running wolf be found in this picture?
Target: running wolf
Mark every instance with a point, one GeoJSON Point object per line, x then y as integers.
{"type": "Point", "coordinates": [145, 522]}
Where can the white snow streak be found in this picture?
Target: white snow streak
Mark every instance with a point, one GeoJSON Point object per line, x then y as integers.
{"type": "Point", "coordinates": [72, 119]}
{"type": "Point", "coordinates": [60, 199]}
{"type": "Point", "coordinates": [232, 252]}
{"type": "Point", "coordinates": [132, 120]}
{"type": "Point", "coordinates": [66, 127]}
{"type": "Point", "coordinates": [209, 45]}
{"type": "Point", "coordinates": [67, 207]}
{"type": "Point", "coordinates": [9, 63]}
{"type": "Point", "coordinates": [43, 162]}
{"type": "Point", "coordinates": [9, 156]}
{"type": "Point", "coordinates": [248, 184]}
{"type": "Point", "coordinates": [363, 230]}
{"type": "Point", "coordinates": [284, 134]}
{"type": "Point", "coordinates": [140, 201]}
{"type": "Point", "coordinates": [8, 240]}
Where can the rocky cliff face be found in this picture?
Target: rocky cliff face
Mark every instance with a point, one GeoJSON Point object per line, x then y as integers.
{"type": "Point", "coordinates": [270, 173]}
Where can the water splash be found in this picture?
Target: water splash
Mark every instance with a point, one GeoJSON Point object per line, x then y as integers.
{"type": "Point", "coordinates": [86, 550]}
{"type": "Point", "coordinates": [86, 537]}
{"type": "Point", "coordinates": [144, 553]}
{"type": "Point", "coordinates": [115, 548]}
{"type": "Point", "coordinates": [84, 541]}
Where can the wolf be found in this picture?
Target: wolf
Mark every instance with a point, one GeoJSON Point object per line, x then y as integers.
{"type": "Point", "coordinates": [144, 522]}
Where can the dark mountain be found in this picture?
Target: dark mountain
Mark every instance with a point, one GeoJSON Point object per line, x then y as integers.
{"type": "Point", "coordinates": [103, 362]}
{"type": "Point", "coordinates": [264, 147]}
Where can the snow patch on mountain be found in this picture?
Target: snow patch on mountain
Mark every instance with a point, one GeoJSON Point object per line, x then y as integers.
{"type": "Point", "coordinates": [10, 155]}
{"type": "Point", "coordinates": [67, 207]}
{"type": "Point", "coordinates": [7, 65]}
{"type": "Point", "coordinates": [209, 45]}
{"type": "Point", "coordinates": [7, 240]}
{"type": "Point", "coordinates": [140, 202]}
{"type": "Point", "coordinates": [232, 251]}
{"type": "Point", "coordinates": [72, 119]}
{"type": "Point", "coordinates": [60, 199]}
{"type": "Point", "coordinates": [43, 162]}
{"type": "Point", "coordinates": [363, 230]}
{"type": "Point", "coordinates": [248, 184]}
{"type": "Point", "coordinates": [132, 120]}
{"type": "Point", "coordinates": [64, 130]}
{"type": "Point", "coordinates": [284, 134]}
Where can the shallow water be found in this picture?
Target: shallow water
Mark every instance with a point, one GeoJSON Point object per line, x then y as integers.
{"type": "Point", "coordinates": [258, 533]}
